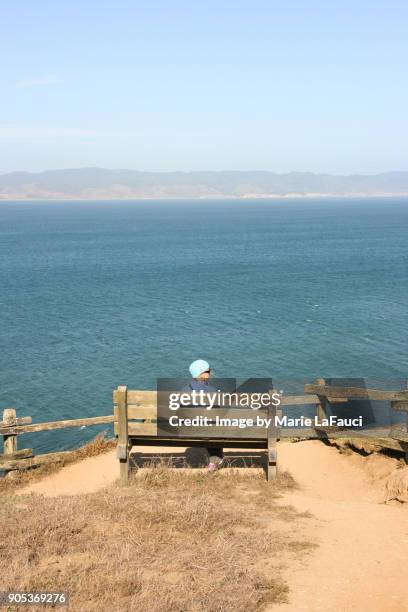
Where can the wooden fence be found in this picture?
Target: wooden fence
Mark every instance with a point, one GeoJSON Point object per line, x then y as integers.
{"type": "Point", "coordinates": [319, 394]}
{"type": "Point", "coordinates": [11, 427]}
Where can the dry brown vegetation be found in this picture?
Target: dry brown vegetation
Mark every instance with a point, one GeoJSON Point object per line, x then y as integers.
{"type": "Point", "coordinates": [170, 542]}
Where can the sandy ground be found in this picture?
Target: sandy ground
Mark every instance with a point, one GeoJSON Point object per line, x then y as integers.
{"type": "Point", "coordinates": [86, 476]}
{"type": "Point", "coordinates": [361, 560]}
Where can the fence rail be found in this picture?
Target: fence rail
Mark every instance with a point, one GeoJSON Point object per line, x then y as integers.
{"type": "Point", "coordinates": [11, 426]}
{"type": "Point", "coordinates": [319, 394]}
{"type": "Point", "coordinates": [16, 428]}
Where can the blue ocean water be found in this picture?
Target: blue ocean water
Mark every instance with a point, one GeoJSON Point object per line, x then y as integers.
{"type": "Point", "coordinates": [96, 294]}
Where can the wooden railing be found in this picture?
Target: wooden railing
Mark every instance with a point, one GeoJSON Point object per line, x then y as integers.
{"type": "Point", "coordinates": [11, 427]}
{"type": "Point", "coordinates": [319, 394]}
{"type": "Point", "coordinates": [395, 440]}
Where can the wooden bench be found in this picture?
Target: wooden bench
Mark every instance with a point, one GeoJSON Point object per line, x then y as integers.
{"type": "Point", "coordinates": [136, 423]}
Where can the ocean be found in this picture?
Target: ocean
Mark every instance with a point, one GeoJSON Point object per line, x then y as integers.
{"type": "Point", "coordinates": [97, 294]}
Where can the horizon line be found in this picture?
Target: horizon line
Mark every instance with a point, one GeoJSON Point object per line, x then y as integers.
{"type": "Point", "coordinates": [106, 169]}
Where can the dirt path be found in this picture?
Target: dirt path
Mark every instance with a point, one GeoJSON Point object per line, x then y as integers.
{"type": "Point", "coordinates": [362, 559]}
{"type": "Point", "coordinates": [86, 476]}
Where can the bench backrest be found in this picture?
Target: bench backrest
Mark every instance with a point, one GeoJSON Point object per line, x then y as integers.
{"type": "Point", "coordinates": [139, 409]}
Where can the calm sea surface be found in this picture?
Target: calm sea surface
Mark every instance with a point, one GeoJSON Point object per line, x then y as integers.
{"type": "Point", "coordinates": [96, 294]}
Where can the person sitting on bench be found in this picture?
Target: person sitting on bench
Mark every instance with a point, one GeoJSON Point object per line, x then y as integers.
{"type": "Point", "coordinates": [200, 371]}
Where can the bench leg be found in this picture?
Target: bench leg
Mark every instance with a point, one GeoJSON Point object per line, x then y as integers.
{"type": "Point", "coordinates": [122, 450]}
{"type": "Point", "coordinates": [272, 472]}
{"type": "Point", "coordinates": [122, 453]}
{"type": "Point", "coordinates": [273, 434]}
{"type": "Point", "coordinates": [124, 470]}
{"type": "Point", "coordinates": [271, 468]}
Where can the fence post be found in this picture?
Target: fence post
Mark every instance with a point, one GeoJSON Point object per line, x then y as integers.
{"type": "Point", "coordinates": [9, 440]}
{"type": "Point", "coordinates": [123, 443]}
{"type": "Point", "coordinates": [322, 405]}
{"type": "Point", "coordinates": [406, 452]}
{"type": "Point", "coordinates": [272, 434]}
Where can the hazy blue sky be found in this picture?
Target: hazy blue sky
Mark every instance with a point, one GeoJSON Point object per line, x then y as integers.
{"type": "Point", "coordinates": [167, 85]}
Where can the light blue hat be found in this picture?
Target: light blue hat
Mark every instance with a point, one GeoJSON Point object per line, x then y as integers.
{"type": "Point", "coordinates": [198, 367]}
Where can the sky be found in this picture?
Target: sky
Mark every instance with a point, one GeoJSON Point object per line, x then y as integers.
{"type": "Point", "coordinates": [217, 85]}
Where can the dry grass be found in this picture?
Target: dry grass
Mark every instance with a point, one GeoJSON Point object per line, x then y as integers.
{"type": "Point", "coordinates": [170, 542]}
{"type": "Point", "coordinates": [19, 478]}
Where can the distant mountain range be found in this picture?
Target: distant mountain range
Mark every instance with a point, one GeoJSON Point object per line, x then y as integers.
{"type": "Point", "coordinates": [99, 183]}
